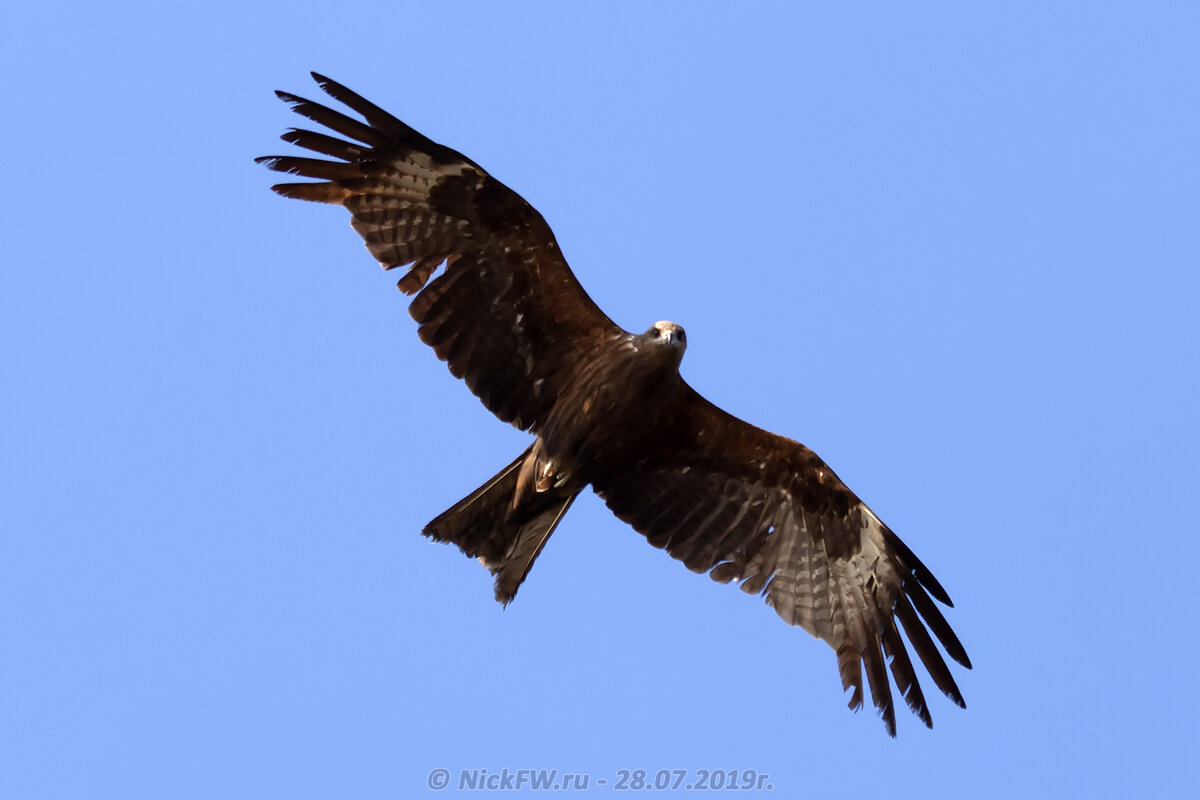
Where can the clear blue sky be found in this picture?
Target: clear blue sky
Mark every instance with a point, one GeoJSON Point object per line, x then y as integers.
{"type": "Point", "coordinates": [954, 251]}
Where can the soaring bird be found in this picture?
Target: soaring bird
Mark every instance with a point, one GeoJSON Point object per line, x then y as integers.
{"type": "Point", "coordinates": [493, 296]}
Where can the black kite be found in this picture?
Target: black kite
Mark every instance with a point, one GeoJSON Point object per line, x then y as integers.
{"type": "Point", "coordinates": [610, 410]}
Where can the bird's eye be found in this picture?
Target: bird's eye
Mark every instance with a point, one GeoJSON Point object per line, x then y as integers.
{"type": "Point", "coordinates": [655, 332]}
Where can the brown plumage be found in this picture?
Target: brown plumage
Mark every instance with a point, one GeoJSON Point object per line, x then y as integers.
{"type": "Point", "coordinates": [610, 410]}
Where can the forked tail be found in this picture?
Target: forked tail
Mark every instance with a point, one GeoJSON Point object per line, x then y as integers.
{"type": "Point", "coordinates": [506, 540]}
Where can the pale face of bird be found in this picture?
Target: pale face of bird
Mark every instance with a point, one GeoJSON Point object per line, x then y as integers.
{"type": "Point", "coordinates": [669, 335]}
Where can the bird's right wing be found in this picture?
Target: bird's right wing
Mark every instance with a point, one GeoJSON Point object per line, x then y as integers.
{"type": "Point", "coordinates": [507, 314]}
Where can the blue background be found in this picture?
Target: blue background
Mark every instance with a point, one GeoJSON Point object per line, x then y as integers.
{"type": "Point", "coordinates": [952, 249]}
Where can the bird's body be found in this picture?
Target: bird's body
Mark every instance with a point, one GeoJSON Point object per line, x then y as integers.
{"type": "Point", "coordinates": [589, 426]}
{"type": "Point", "coordinates": [496, 300]}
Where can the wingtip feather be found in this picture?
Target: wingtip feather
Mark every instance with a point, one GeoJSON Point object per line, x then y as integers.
{"type": "Point", "coordinates": [312, 192]}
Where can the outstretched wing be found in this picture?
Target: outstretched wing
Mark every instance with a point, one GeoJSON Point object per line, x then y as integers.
{"type": "Point", "coordinates": [507, 314]}
{"type": "Point", "coordinates": [746, 505]}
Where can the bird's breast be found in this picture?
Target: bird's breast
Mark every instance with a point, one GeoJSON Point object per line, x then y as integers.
{"type": "Point", "coordinates": [611, 415]}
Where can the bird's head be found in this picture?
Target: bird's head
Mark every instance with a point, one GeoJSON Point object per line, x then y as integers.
{"type": "Point", "coordinates": [668, 336]}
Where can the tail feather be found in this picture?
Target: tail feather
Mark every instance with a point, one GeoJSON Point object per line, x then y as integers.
{"type": "Point", "coordinates": [506, 540]}
{"type": "Point", "coordinates": [531, 537]}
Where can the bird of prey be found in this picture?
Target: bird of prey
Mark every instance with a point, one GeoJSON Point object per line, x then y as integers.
{"type": "Point", "coordinates": [493, 296]}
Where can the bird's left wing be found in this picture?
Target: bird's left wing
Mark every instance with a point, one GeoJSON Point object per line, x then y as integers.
{"type": "Point", "coordinates": [745, 505]}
